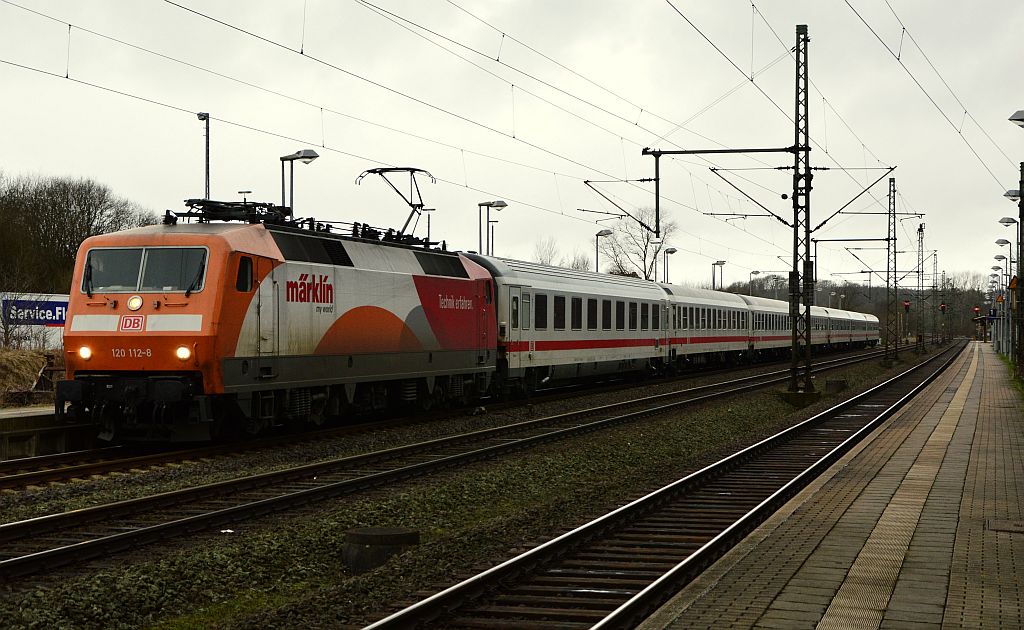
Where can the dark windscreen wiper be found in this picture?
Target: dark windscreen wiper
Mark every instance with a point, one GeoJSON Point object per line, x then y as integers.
{"type": "Point", "coordinates": [88, 276]}
{"type": "Point", "coordinates": [199, 276]}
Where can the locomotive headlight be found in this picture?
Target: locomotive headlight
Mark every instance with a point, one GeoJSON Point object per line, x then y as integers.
{"type": "Point", "coordinates": [134, 302]}
{"type": "Point", "coordinates": [183, 353]}
{"type": "Point", "coordinates": [85, 352]}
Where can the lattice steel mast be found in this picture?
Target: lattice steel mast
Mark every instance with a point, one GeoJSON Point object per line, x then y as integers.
{"type": "Point", "coordinates": [801, 278]}
{"type": "Point", "coordinates": [892, 335]}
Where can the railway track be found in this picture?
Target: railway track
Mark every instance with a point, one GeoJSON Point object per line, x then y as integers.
{"type": "Point", "coordinates": [616, 570]}
{"type": "Point", "coordinates": [62, 467]}
{"type": "Point", "coordinates": [48, 542]}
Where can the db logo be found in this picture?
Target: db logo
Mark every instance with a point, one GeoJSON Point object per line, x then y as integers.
{"type": "Point", "coordinates": [132, 323]}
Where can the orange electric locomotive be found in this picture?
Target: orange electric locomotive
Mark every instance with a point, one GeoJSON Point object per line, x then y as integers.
{"type": "Point", "coordinates": [245, 319]}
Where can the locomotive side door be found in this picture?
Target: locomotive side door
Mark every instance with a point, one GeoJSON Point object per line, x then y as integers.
{"type": "Point", "coordinates": [486, 298]}
{"type": "Point", "coordinates": [267, 308]}
{"type": "Point", "coordinates": [513, 335]}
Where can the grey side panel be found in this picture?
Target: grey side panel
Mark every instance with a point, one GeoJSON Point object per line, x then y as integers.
{"type": "Point", "coordinates": [244, 373]}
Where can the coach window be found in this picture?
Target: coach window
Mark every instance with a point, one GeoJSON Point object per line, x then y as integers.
{"type": "Point", "coordinates": [577, 313]}
{"type": "Point", "coordinates": [526, 311]}
{"type": "Point", "coordinates": [656, 317]}
{"type": "Point", "coordinates": [632, 315]}
{"type": "Point", "coordinates": [606, 314]}
{"type": "Point", "coordinates": [591, 314]}
{"type": "Point", "coordinates": [540, 315]}
{"type": "Point", "coordinates": [620, 315]}
{"type": "Point", "coordinates": [515, 312]}
{"type": "Point", "coordinates": [645, 309]}
{"type": "Point", "coordinates": [559, 312]}
{"type": "Point", "coordinates": [687, 316]}
{"type": "Point", "coordinates": [243, 281]}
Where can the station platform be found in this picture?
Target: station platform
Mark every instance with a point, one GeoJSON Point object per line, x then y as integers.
{"type": "Point", "coordinates": [26, 412]}
{"type": "Point", "coordinates": [919, 526]}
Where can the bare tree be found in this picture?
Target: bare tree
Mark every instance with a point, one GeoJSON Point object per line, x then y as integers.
{"type": "Point", "coordinates": [632, 248]}
{"type": "Point", "coordinates": [579, 261]}
{"type": "Point", "coordinates": [545, 251]}
{"type": "Point", "coordinates": [46, 219]}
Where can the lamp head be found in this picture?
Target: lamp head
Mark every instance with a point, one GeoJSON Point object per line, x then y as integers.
{"type": "Point", "coordinates": [671, 250]}
{"type": "Point", "coordinates": [303, 155]}
{"type": "Point", "coordinates": [1000, 257]}
{"type": "Point", "coordinates": [720, 262]}
{"type": "Point", "coordinates": [1001, 242]}
{"type": "Point", "coordinates": [203, 116]}
{"type": "Point", "coordinates": [1018, 118]}
{"type": "Point", "coordinates": [604, 232]}
{"type": "Point", "coordinates": [1007, 221]}
{"type": "Point", "coordinates": [1013, 195]}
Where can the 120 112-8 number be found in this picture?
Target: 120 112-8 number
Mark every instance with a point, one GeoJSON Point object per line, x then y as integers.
{"type": "Point", "coordinates": [131, 353]}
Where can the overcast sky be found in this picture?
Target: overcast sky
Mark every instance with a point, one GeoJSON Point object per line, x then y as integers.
{"type": "Point", "coordinates": [573, 91]}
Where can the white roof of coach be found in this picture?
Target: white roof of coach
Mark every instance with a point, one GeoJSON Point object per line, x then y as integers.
{"type": "Point", "coordinates": [550, 278]}
{"type": "Point", "coordinates": [767, 305]}
{"type": "Point", "coordinates": [689, 295]}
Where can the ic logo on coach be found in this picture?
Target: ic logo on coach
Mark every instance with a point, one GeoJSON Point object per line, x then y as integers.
{"type": "Point", "coordinates": [132, 323]}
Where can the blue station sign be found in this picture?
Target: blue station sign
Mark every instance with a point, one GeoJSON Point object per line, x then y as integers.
{"type": "Point", "coordinates": [35, 312]}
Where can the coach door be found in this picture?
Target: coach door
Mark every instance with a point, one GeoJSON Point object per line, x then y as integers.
{"type": "Point", "coordinates": [514, 329]}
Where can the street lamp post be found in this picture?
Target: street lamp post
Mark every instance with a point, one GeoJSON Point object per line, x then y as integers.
{"type": "Point", "coordinates": [497, 204]}
{"type": "Point", "coordinates": [1009, 303]}
{"type": "Point", "coordinates": [668, 252]}
{"type": "Point", "coordinates": [205, 117]}
{"type": "Point", "coordinates": [830, 296]}
{"type": "Point", "coordinates": [597, 237]}
{"type": "Point", "coordinates": [305, 156]}
{"type": "Point", "coordinates": [490, 233]}
{"type": "Point", "coordinates": [841, 296]}
{"type": "Point", "coordinates": [1018, 119]}
{"type": "Point", "coordinates": [720, 264]}
{"type": "Point", "coordinates": [750, 282]}
{"type": "Point", "coordinates": [1004, 308]}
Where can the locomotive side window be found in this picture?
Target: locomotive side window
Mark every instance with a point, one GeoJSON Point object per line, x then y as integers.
{"type": "Point", "coordinates": [632, 315]}
{"type": "Point", "coordinates": [606, 314]}
{"type": "Point", "coordinates": [620, 315]}
{"type": "Point", "coordinates": [515, 312]}
{"type": "Point", "coordinates": [577, 313]}
{"type": "Point", "coordinates": [243, 281]}
{"type": "Point", "coordinates": [559, 312]}
{"type": "Point", "coordinates": [526, 311]}
{"type": "Point", "coordinates": [591, 314]}
{"type": "Point", "coordinates": [540, 317]}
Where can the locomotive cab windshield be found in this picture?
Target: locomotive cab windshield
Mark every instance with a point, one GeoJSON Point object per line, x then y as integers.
{"type": "Point", "coordinates": [141, 269]}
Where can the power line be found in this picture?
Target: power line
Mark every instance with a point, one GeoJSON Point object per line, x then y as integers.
{"type": "Point", "coordinates": [945, 83]}
{"type": "Point", "coordinates": [397, 92]}
{"type": "Point", "coordinates": [926, 93]}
